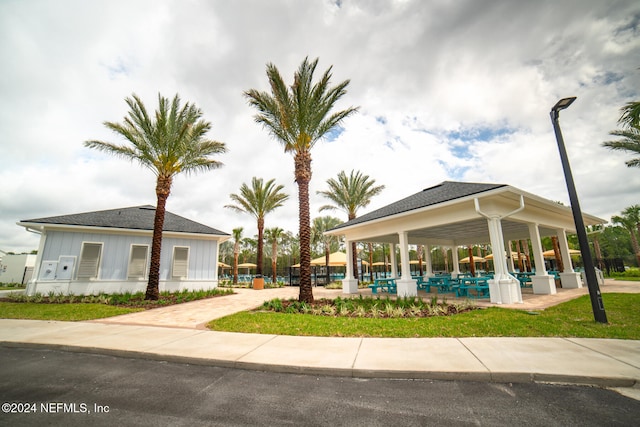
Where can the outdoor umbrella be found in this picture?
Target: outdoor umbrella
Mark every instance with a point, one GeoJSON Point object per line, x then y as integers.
{"type": "Point", "coordinates": [475, 259]}
{"type": "Point", "coordinates": [551, 254]}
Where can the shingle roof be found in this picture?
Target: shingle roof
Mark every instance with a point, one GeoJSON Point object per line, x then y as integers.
{"type": "Point", "coordinates": [443, 192]}
{"type": "Point", "coordinates": [134, 218]}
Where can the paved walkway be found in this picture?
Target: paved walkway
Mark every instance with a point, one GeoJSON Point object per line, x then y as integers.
{"type": "Point", "coordinates": [176, 333]}
{"type": "Point", "coordinates": [197, 313]}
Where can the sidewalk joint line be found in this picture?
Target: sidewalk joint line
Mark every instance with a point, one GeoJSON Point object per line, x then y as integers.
{"type": "Point", "coordinates": [600, 352]}
{"type": "Point", "coordinates": [255, 348]}
{"type": "Point", "coordinates": [355, 359]}
{"type": "Point", "coordinates": [476, 357]}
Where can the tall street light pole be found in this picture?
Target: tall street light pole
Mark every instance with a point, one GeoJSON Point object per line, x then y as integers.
{"type": "Point", "coordinates": [592, 282]}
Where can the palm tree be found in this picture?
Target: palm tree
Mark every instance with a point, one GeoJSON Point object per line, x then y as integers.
{"type": "Point", "coordinates": [298, 116]}
{"type": "Point", "coordinates": [237, 237]}
{"type": "Point", "coordinates": [350, 193]}
{"type": "Point", "coordinates": [259, 200]}
{"type": "Point", "coordinates": [630, 116]}
{"type": "Point", "coordinates": [630, 142]}
{"type": "Point", "coordinates": [273, 235]}
{"type": "Point", "coordinates": [320, 225]}
{"type": "Point", "coordinates": [170, 142]}
{"type": "Point", "coordinates": [630, 133]}
{"type": "Point", "coordinates": [630, 220]}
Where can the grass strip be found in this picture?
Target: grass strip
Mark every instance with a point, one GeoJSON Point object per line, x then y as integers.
{"type": "Point", "coordinates": [67, 312]}
{"type": "Point", "coordinates": [570, 319]}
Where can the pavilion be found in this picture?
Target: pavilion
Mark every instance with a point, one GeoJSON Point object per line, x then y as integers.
{"type": "Point", "coordinates": [453, 214]}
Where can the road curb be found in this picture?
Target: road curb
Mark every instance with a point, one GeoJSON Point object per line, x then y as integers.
{"type": "Point", "coordinates": [500, 377]}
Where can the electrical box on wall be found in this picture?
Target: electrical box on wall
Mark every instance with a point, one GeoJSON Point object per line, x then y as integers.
{"type": "Point", "coordinates": [48, 270]}
{"type": "Point", "coordinates": [64, 271]}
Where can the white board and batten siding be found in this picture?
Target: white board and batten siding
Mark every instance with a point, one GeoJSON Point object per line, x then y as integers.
{"type": "Point", "coordinates": [89, 263]}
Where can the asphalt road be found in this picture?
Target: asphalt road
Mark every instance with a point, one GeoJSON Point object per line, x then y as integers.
{"type": "Point", "coordinates": [50, 387]}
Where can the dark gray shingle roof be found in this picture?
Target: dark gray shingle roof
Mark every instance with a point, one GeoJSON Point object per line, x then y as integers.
{"type": "Point", "coordinates": [134, 218]}
{"type": "Point", "coordinates": [443, 192]}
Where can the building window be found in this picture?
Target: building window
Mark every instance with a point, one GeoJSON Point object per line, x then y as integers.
{"type": "Point", "coordinates": [138, 262]}
{"type": "Point", "coordinates": [89, 260]}
{"type": "Point", "coordinates": [180, 262]}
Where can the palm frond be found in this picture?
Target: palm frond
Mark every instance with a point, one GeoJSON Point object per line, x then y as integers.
{"type": "Point", "coordinates": [170, 142]}
{"type": "Point", "coordinates": [630, 115]}
{"type": "Point", "coordinates": [299, 115]}
{"type": "Point", "coordinates": [630, 142]}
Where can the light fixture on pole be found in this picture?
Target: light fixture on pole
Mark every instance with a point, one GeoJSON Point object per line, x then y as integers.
{"type": "Point", "coordinates": [592, 282]}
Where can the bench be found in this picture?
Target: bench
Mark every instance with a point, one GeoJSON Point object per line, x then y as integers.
{"type": "Point", "coordinates": [388, 285]}
{"type": "Point", "coordinates": [425, 286]}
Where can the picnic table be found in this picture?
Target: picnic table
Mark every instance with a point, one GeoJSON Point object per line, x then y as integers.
{"type": "Point", "coordinates": [479, 284]}
{"type": "Point", "coordinates": [442, 283]}
{"type": "Point", "coordinates": [524, 277]}
{"type": "Point", "coordinates": [387, 284]}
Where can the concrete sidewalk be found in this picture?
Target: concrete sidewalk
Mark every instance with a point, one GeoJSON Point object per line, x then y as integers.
{"type": "Point", "coordinates": [176, 334]}
{"type": "Point", "coordinates": [600, 362]}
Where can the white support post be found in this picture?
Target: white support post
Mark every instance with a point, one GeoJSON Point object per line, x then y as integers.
{"type": "Point", "coordinates": [542, 283]}
{"type": "Point", "coordinates": [456, 262]}
{"type": "Point", "coordinates": [349, 284]}
{"type": "Point", "coordinates": [503, 288]}
{"type": "Point", "coordinates": [569, 279]}
{"type": "Point", "coordinates": [392, 259]}
{"type": "Point", "coordinates": [428, 261]}
{"type": "Point", "coordinates": [406, 286]}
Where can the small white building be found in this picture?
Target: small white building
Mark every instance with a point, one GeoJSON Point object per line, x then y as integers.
{"type": "Point", "coordinates": [16, 268]}
{"type": "Point", "coordinates": [109, 252]}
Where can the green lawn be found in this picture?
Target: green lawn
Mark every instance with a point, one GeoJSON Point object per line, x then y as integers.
{"type": "Point", "coordinates": [570, 319]}
{"type": "Point", "coordinates": [70, 312]}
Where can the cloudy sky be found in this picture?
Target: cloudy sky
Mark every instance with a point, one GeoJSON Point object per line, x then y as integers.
{"type": "Point", "coordinates": [447, 90]}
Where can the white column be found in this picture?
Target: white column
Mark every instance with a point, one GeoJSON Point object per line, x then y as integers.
{"type": "Point", "coordinates": [392, 259]}
{"type": "Point", "coordinates": [428, 261]}
{"type": "Point", "coordinates": [404, 255]}
{"type": "Point", "coordinates": [349, 284]}
{"type": "Point", "coordinates": [406, 286]}
{"type": "Point", "coordinates": [541, 282]}
{"type": "Point", "coordinates": [503, 288]}
{"type": "Point", "coordinates": [456, 262]}
{"type": "Point", "coordinates": [569, 278]}
{"type": "Point", "coordinates": [510, 264]}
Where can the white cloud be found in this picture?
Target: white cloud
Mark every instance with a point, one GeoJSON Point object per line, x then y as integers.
{"type": "Point", "coordinates": [446, 90]}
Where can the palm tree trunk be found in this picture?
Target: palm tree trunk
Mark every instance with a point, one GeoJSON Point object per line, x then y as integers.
{"type": "Point", "coordinates": [472, 264]}
{"type": "Point", "coordinates": [371, 262]}
{"type": "Point", "coordinates": [163, 188]}
{"type": "Point", "coordinates": [303, 176]}
{"type": "Point", "coordinates": [327, 255]}
{"type": "Point", "coordinates": [596, 248]}
{"type": "Point", "coordinates": [274, 260]}
{"type": "Point", "coordinates": [520, 256]}
{"type": "Point", "coordinates": [236, 255]}
{"type": "Point", "coordinates": [445, 255]}
{"type": "Point", "coordinates": [557, 255]}
{"type": "Point", "coordinates": [260, 246]}
{"type": "Point", "coordinates": [634, 244]}
{"type": "Point", "coordinates": [525, 251]}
